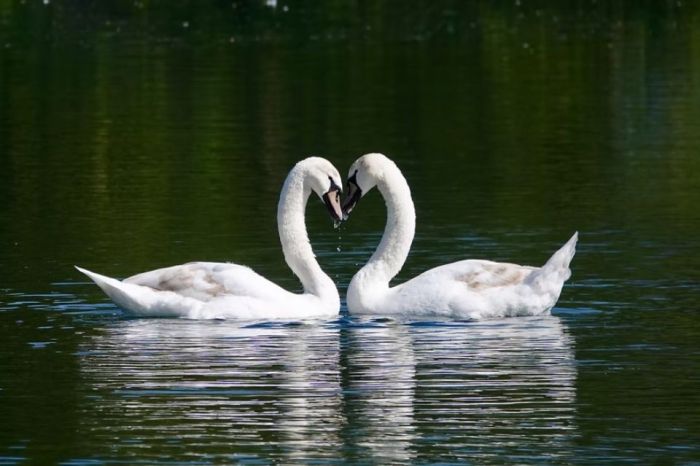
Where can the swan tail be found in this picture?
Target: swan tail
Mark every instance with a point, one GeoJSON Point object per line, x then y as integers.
{"type": "Point", "coordinates": [556, 271]}
{"type": "Point", "coordinates": [140, 300]}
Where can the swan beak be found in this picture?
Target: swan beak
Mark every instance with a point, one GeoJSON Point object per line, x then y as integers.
{"type": "Point", "coordinates": [332, 201]}
{"type": "Point", "coordinates": [353, 196]}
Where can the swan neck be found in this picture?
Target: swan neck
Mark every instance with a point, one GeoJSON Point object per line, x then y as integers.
{"type": "Point", "coordinates": [393, 249]}
{"type": "Point", "coordinates": [294, 237]}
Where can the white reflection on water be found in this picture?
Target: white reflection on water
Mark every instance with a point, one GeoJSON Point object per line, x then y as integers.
{"type": "Point", "coordinates": [354, 390]}
{"type": "Point", "coordinates": [489, 390]}
{"type": "Point", "coordinates": [196, 390]}
{"type": "Point", "coordinates": [380, 388]}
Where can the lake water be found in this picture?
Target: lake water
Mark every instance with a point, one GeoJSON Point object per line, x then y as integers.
{"type": "Point", "coordinates": [139, 136]}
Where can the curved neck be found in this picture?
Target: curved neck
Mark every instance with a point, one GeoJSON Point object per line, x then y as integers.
{"type": "Point", "coordinates": [295, 239]}
{"type": "Point", "coordinates": [400, 228]}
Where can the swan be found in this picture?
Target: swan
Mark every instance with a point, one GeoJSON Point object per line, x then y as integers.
{"type": "Point", "coordinates": [468, 289]}
{"type": "Point", "coordinates": [208, 290]}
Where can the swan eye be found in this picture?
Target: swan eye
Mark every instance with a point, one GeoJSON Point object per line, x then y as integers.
{"type": "Point", "coordinates": [334, 186]}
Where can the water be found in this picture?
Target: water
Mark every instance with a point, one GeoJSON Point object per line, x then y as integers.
{"type": "Point", "coordinates": [139, 136]}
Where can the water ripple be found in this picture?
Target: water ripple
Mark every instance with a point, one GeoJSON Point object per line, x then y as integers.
{"type": "Point", "coordinates": [387, 391]}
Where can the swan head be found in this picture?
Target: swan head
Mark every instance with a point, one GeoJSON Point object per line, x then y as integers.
{"type": "Point", "coordinates": [364, 174]}
{"type": "Point", "coordinates": [324, 179]}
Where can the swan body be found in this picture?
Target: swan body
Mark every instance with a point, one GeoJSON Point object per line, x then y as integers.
{"type": "Point", "coordinates": [468, 289]}
{"type": "Point", "coordinates": [208, 290]}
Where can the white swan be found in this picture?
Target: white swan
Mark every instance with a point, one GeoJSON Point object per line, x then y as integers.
{"type": "Point", "coordinates": [208, 290]}
{"type": "Point", "coordinates": [468, 289]}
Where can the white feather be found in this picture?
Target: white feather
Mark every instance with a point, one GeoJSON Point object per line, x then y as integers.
{"type": "Point", "coordinates": [208, 290]}
{"type": "Point", "coordinates": [468, 289]}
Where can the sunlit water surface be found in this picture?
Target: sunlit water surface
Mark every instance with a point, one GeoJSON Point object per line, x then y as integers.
{"type": "Point", "coordinates": [135, 137]}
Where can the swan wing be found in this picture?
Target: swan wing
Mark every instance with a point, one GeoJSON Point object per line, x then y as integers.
{"type": "Point", "coordinates": [478, 275]}
{"type": "Point", "coordinates": [206, 281]}
{"type": "Point", "coordinates": [143, 300]}
{"type": "Point", "coordinates": [195, 291]}
{"type": "Point", "coordinates": [470, 289]}
{"type": "Point", "coordinates": [481, 288]}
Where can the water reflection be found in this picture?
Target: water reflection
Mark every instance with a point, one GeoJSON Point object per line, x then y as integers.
{"type": "Point", "coordinates": [380, 388]}
{"type": "Point", "coordinates": [477, 390]}
{"type": "Point", "coordinates": [351, 390]}
{"type": "Point", "coordinates": [192, 390]}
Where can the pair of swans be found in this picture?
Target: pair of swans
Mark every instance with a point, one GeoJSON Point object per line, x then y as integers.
{"type": "Point", "coordinates": [468, 289]}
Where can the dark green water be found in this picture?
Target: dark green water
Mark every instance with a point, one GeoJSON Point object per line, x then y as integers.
{"type": "Point", "coordinates": [135, 136]}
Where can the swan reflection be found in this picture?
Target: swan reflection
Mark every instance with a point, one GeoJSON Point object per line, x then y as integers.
{"type": "Point", "coordinates": [380, 386]}
{"type": "Point", "coordinates": [200, 389]}
{"type": "Point", "coordinates": [383, 392]}
{"type": "Point", "coordinates": [474, 389]}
